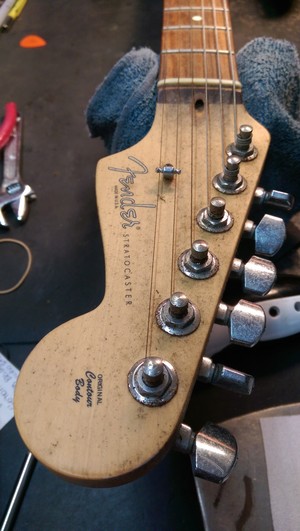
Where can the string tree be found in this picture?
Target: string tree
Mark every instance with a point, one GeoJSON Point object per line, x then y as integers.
{"type": "Point", "coordinates": [243, 147]}
{"type": "Point", "coordinates": [168, 171]}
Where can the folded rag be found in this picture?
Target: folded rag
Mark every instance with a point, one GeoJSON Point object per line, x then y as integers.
{"type": "Point", "coordinates": [122, 109]}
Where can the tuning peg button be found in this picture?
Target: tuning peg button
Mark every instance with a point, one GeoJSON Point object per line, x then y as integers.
{"type": "Point", "coordinates": [246, 322]}
{"type": "Point", "coordinates": [268, 235]}
{"type": "Point", "coordinates": [213, 451]}
{"type": "Point", "coordinates": [225, 377]}
{"type": "Point", "coordinates": [258, 274]}
{"type": "Point", "coordinates": [274, 197]}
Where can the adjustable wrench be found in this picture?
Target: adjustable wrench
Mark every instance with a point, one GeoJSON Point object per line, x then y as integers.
{"type": "Point", "coordinates": [13, 191]}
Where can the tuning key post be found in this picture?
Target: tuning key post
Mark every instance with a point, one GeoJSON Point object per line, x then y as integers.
{"type": "Point", "coordinates": [215, 217]}
{"type": "Point", "coordinates": [243, 147]}
{"type": "Point", "coordinates": [274, 198]}
{"type": "Point", "coordinates": [198, 262]}
{"type": "Point", "coordinates": [230, 181]}
{"type": "Point", "coordinates": [178, 316]}
{"type": "Point", "coordinates": [225, 377]}
{"type": "Point", "coordinates": [269, 234]}
{"type": "Point", "coordinates": [213, 451]}
{"type": "Point", "coordinates": [152, 381]}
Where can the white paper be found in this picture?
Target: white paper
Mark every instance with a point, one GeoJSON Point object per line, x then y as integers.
{"type": "Point", "coordinates": [281, 437]}
{"type": "Point", "coordinates": [8, 377]}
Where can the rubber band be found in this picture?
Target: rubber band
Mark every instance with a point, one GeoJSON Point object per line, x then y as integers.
{"type": "Point", "coordinates": [28, 267]}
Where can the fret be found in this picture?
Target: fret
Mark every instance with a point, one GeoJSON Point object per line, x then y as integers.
{"type": "Point", "coordinates": [197, 50]}
{"type": "Point", "coordinates": [197, 42]}
{"type": "Point", "coordinates": [194, 26]}
{"type": "Point", "coordinates": [195, 8]}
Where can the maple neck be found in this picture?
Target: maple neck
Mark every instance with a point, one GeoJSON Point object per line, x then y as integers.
{"type": "Point", "coordinates": [197, 44]}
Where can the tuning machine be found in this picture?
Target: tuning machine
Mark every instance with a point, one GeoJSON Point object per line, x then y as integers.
{"type": "Point", "coordinates": [258, 274]}
{"type": "Point", "coordinates": [213, 451]}
{"type": "Point", "coordinates": [243, 147]}
{"type": "Point", "coordinates": [274, 198]}
{"type": "Point", "coordinates": [269, 234]}
{"type": "Point", "coordinates": [225, 377]}
{"type": "Point", "coordinates": [246, 322]}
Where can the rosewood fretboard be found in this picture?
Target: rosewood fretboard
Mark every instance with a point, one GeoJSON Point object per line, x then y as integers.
{"type": "Point", "coordinates": [197, 45]}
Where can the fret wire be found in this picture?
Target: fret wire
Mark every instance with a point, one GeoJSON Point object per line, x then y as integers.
{"type": "Point", "coordinates": [195, 26]}
{"type": "Point", "coordinates": [195, 8]}
{"type": "Point", "coordinates": [196, 50]}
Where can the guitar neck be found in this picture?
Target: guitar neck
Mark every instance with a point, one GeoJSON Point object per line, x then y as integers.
{"type": "Point", "coordinates": [197, 45]}
{"type": "Point", "coordinates": [100, 399]}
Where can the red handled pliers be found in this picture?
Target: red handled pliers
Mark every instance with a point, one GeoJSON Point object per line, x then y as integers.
{"type": "Point", "coordinates": [8, 124]}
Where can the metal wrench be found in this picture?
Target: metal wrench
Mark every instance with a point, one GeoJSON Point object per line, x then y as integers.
{"type": "Point", "coordinates": [13, 191]}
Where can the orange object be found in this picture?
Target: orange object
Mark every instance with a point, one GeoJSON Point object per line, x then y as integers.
{"type": "Point", "coordinates": [32, 41]}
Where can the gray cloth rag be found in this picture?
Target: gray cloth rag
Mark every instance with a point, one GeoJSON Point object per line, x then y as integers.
{"type": "Point", "coordinates": [121, 111]}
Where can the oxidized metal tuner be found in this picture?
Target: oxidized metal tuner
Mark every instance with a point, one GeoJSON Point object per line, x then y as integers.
{"type": "Point", "coordinates": [152, 381]}
{"type": "Point", "coordinates": [215, 218]}
{"type": "Point", "coordinates": [198, 262]}
{"type": "Point", "coordinates": [177, 315]}
{"type": "Point", "coordinates": [230, 181]}
{"type": "Point", "coordinates": [243, 147]}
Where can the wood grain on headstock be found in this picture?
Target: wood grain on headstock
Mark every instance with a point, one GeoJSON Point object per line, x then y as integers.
{"type": "Point", "coordinates": [72, 404]}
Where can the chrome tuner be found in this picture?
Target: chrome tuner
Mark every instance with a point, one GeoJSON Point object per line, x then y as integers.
{"type": "Point", "coordinates": [213, 451]}
{"type": "Point", "coordinates": [258, 274]}
{"type": "Point", "coordinates": [243, 147]}
{"type": "Point", "coordinates": [215, 218]}
{"type": "Point", "coordinates": [198, 262]}
{"type": "Point", "coordinates": [274, 197]}
{"type": "Point", "coordinates": [178, 316]}
{"type": "Point", "coordinates": [268, 235]}
{"type": "Point", "coordinates": [152, 381]}
{"type": "Point", "coordinates": [225, 377]}
{"type": "Point", "coordinates": [168, 171]}
{"type": "Point", "coordinates": [246, 322]}
{"type": "Point", "coordinates": [230, 181]}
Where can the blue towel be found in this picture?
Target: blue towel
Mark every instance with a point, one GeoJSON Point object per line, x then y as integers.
{"type": "Point", "coordinates": [122, 109]}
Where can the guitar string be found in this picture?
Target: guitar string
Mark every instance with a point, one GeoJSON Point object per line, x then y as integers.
{"type": "Point", "coordinates": [206, 103]}
{"type": "Point", "coordinates": [228, 24]}
{"type": "Point", "coordinates": [192, 113]}
{"type": "Point", "coordinates": [219, 71]}
{"type": "Point", "coordinates": [177, 161]}
{"type": "Point", "coordinates": [161, 98]}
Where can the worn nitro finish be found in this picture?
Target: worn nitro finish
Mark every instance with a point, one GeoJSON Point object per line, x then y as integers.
{"type": "Point", "coordinates": [73, 407]}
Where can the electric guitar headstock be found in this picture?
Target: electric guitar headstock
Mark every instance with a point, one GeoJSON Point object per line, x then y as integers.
{"type": "Point", "coordinates": [101, 398]}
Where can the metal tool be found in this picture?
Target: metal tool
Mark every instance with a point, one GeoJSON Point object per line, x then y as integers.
{"type": "Point", "coordinates": [13, 192]}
